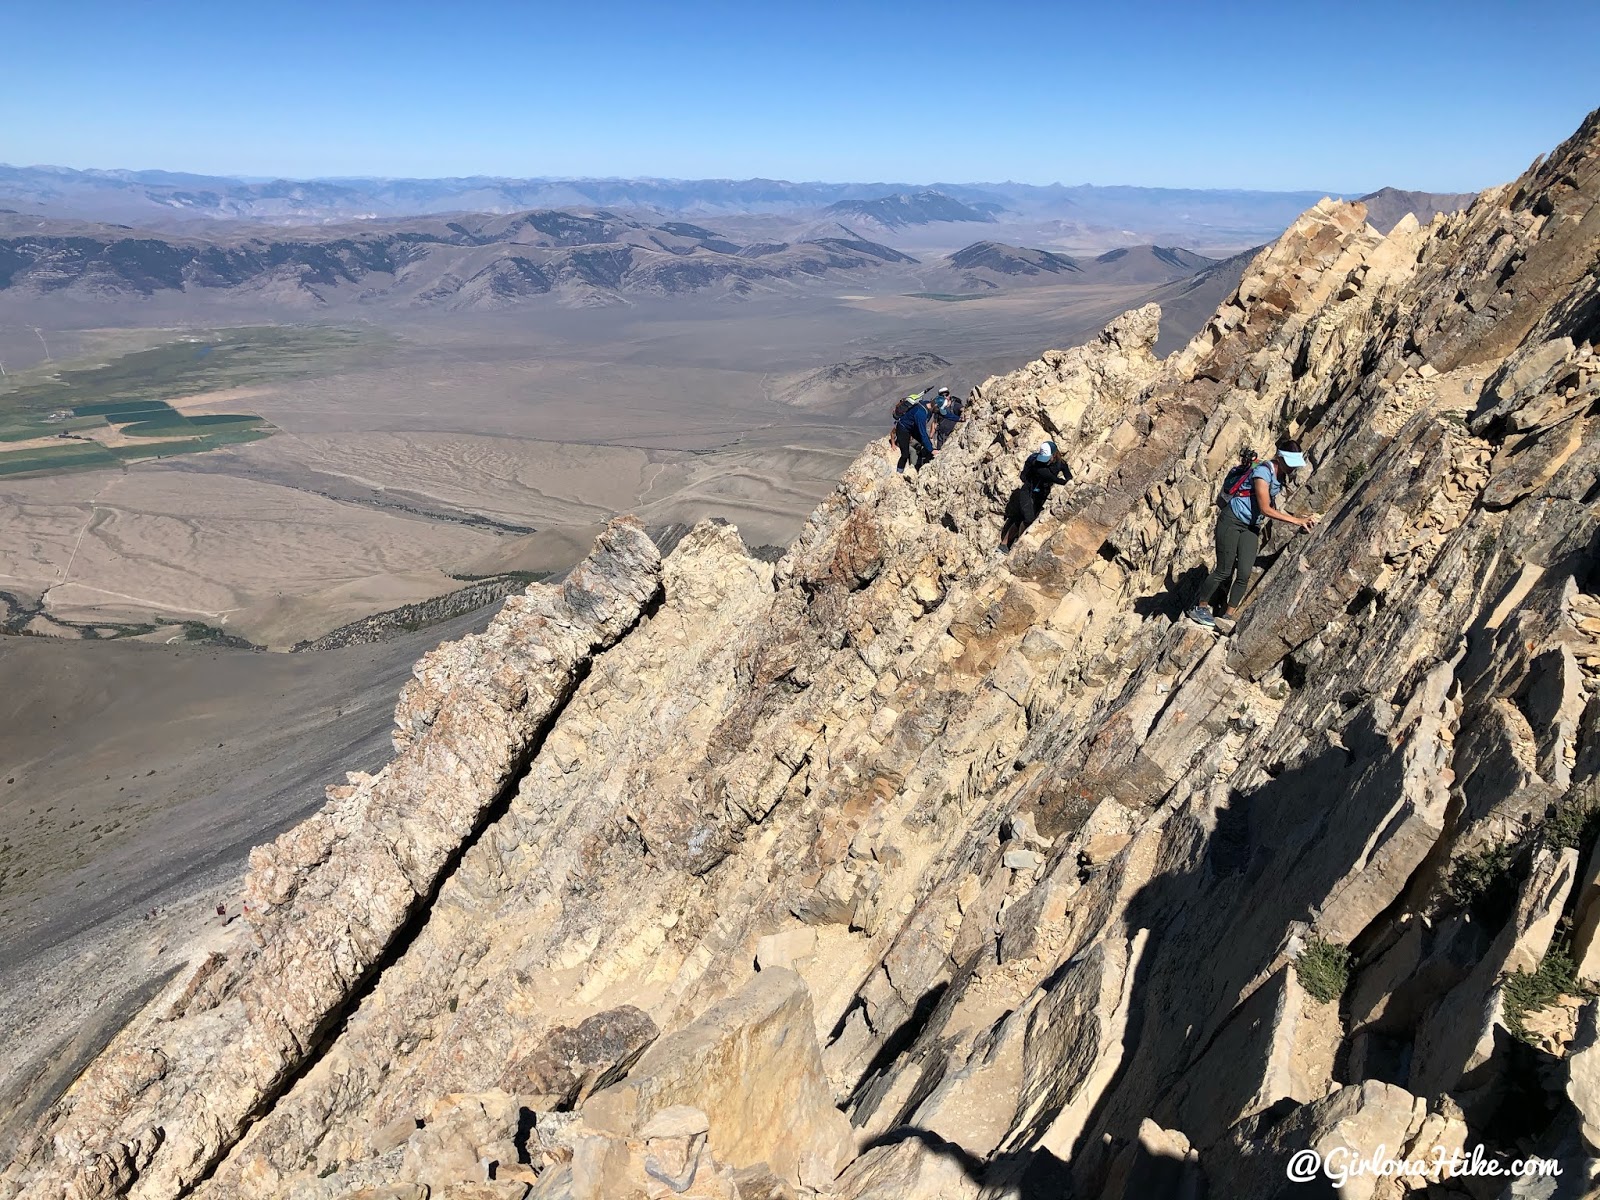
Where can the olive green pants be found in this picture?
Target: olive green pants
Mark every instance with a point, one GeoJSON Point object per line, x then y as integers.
{"type": "Point", "coordinates": [1237, 546]}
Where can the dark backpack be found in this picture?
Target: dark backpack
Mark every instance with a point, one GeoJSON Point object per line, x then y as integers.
{"type": "Point", "coordinates": [903, 405]}
{"type": "Point", "coordinates": [1237, 481]}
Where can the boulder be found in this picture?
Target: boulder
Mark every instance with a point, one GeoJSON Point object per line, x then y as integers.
{"type": "Point", "coordinates": [1023, 860]}
{"type": "Point", "coordinates": [1583, 1072]}
{"type": "Point", "coordinates": [1586, 921]}
{"type": "Point", "coordinates": [791, 948]}
{"type": "Point", "coordinates": [1344, 1129]}
{"type": "Point", "coordinates": [1277, 1046]}
{"type": "Point", "coordinates": [1455, 1045]}
{"type": "Point", "coordinates": [569, 1063]}
{"type": "Point", "coordinates": [924, 1167]}
{"type": "Point", "coordinates": [461, 1138]}
{"type": "Point", "coordinates": [1159, 1162]}
{"type": "Point", "coordinates": [751, 1064]}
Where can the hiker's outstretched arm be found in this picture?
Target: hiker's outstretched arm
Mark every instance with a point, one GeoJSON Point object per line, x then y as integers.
{"type": "Point", "coordinates": [1266, 508]}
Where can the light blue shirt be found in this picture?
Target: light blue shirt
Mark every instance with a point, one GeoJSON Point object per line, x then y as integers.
{"type": "Point", "coordinates": [1244, 505]}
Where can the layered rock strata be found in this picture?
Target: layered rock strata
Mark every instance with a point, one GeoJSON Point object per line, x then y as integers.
{"type": "Point", "coordinates": [903, 868]}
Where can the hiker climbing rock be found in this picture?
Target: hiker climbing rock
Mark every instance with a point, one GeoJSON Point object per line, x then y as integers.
{"type": "Point", "coordinates": [912, 434]}
{"type": "Point", "coordinates": [1044, 469]}
{"type": "Point", "coordinates": [1249, 498]}
{"type": "Point", "coordinates": [901, 407]}
{"type": "Point", "coordinates": [950, 414]}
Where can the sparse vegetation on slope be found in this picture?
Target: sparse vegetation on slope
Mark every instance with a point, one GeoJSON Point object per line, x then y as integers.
{"type": "Point", "coordinates": [1323, 969]}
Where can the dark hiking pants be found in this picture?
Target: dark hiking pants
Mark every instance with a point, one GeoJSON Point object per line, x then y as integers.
{"type": "Point", "coordinates": [1237, 545]}
{"type": "Point", "coordinates": [1022, 510]}
{"type": "Point", "coordinates": [911, 448]}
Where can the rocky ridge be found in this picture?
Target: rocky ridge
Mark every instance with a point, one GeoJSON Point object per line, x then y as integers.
{"type": "Point", "coordinates": [899, 868]}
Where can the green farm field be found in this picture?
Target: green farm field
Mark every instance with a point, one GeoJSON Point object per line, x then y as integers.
{"type": "Point", "coordinates": [93, 407]}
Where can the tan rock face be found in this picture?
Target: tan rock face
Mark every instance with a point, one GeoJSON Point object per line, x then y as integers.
{"type": "Point", "coordinates": [1031, 867]}
{"type": "Point", "coordinates": [751, 1068]}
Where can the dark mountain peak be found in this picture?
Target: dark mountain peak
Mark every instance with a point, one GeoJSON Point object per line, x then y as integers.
{"type": "Point", "coordinates": [983, 261]}
{"type": "Point", "coordinates": [913, 208]}
{"type": "Point", "coordinates": [860, 246]}
{"type": "Point", "coordinates": [1386, 206]}
{"type": "Point", "coordinates": [1149, 264]}
{"type": "Point", "coordinates": [1012, 260]}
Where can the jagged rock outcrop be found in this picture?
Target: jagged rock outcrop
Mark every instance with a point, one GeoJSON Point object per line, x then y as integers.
{"type": "Point", "coordinates": [1045, 889]}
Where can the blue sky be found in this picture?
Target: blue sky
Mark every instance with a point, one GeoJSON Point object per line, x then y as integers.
{"type": "Point", "coordinates": [1347, 96]}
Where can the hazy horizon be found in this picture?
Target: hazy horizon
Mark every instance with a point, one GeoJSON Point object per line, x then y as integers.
{"type": "Point", "coordinates": [897, 185]}
{"type": "Point", "coordinates": [1256, 96]}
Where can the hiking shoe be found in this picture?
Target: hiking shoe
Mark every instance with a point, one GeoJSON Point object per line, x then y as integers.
{"type": "Point", "coordinates": [1202, 616]}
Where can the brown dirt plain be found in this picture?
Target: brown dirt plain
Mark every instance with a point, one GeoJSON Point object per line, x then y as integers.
{"type": "Point", "coordinates": [137, 776]}
{"type": "Point", "coordinates": [451, 440]}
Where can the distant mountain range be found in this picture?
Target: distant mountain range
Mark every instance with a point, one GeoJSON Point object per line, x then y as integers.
{"type": "Point", "coordinates": [474, 262]}
{"type": "Point", "coordinates": [169, 199]}
{"type": "Point", "coordinates": [136, 195]}
{"type": "Point", "coordinates": [581, 256]}
{"type": "Point", "coordinates": [488, 261]}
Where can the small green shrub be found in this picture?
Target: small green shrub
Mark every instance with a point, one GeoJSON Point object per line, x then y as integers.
{"type": "Point", "coordinates": [1575, 825]}
{"type": "Point", "coordinates": [1484, 883]}
{"type": "Point", "coordinates": [1324, 969]}
{"type": "Point", "coordinates": [1528, 991]}
{"type": "Point", "coordinates": [1354, 475]}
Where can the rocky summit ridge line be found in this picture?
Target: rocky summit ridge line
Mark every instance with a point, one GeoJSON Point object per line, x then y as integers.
{"type": "Point", "coordinates": [899, 869]}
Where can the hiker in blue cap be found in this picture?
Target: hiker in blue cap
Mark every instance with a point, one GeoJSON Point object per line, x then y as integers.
{"type": "Point", "coordinates": [950, 414]}
{"type": "Point", "coordinates": [1249, 498]}
{"type": "Point", "coordinates": [1044, 469]}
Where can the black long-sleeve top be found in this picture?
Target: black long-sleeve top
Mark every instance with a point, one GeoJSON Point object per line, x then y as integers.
{"type": "Point", "coordinates": [1041, 476]}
